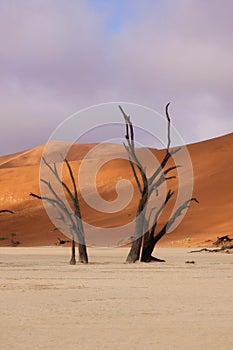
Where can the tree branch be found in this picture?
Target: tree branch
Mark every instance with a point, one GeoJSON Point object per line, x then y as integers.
{"type": "Point", "coordinates": [177, 213]}
{"type": "Point", "coordinates": [168, 127]}
{"type": "Point", "coordinates": [54, 171]}
{"type": "Point", "coordinates": [133, 169]}
{"type": "Point", "coordinates": [131, 153]}
{"type": "Point", "coordinates": [168, 197]}
{"type": "Point", "coordinates": [216, 250]}
{"type": "Point", "coordinates": [7, 211]}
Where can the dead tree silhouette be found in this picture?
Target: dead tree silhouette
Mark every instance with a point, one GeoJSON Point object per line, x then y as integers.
{"type": "Point", "coordinates": [72, 219]}
{"type": "Point", "coordinates": [143, 243]}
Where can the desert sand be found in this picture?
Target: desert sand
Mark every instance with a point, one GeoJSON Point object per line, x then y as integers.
{"type": "Point", "coordinates": [213, 186]}
{"type": "Point", "coordinates": [47, 304]}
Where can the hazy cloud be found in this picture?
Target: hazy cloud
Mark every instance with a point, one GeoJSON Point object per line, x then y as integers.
{"type": "Point", "coordinates": [59, 56]}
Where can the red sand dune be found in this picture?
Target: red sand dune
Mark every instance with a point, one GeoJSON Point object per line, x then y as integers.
{"type": "Point", "coordinates": [213, 186]}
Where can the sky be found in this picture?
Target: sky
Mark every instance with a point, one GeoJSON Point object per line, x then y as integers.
{"type": "Point", "coordinates": [59, 56]}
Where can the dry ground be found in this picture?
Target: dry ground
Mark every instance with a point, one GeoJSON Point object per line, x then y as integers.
{"type": "Point", "coordinates": [47, 304]}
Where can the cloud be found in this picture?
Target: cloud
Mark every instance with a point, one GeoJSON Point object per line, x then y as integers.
{"type": "Point", "coordinates": [182, 52]}
{"type": "Point", "coordinates": [57, 57]}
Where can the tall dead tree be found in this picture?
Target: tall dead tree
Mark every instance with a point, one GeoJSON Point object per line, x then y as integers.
{"type": "Point", "coordinates": [145, 236]}
{"type": "Point", "coordinates": [71, 218]}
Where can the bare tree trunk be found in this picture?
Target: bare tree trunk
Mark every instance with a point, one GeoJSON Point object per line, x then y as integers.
{"type": "Point", "coordinates": [148, 247]}
{"type": "Point", "coordinates": [83, 258]}
{"type": "Point", "coordinates": [135, 249]}
{"type": "Point", "coordinates": [134, 252]}
{"type": "Point", "coordinates": [73, 259]}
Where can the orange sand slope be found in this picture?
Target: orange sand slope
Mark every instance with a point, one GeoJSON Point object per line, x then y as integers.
{"type": "Point", "coordinates": [213, 186]}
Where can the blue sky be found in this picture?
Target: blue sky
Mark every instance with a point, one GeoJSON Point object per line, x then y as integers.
{"type": "Point", "coordinates": [120, 13]}
{"type": "Point", "coordinates": [58, 56]}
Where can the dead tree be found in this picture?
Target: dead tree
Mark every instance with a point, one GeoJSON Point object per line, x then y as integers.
{"type": "Point", "coordinates": [225, 248]}
{"type": "Point", "coordinates": [62, 241]}
{"type": "Point", "coordinates": [145, 236]}
{"type": "Point", "coordinates": [72, 219]}
{"type": "Point", "coordinates": [223, 240]}
{"type": "Point", "coordinates": [13, 242]}
{"type": "Point", "coordinates": [225, 243]}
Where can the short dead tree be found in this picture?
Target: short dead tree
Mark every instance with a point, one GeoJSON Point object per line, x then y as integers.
{"type": "Point", "coordinates": [13, 242]}
{"type": "Point", "coordinates": [70, 218]}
